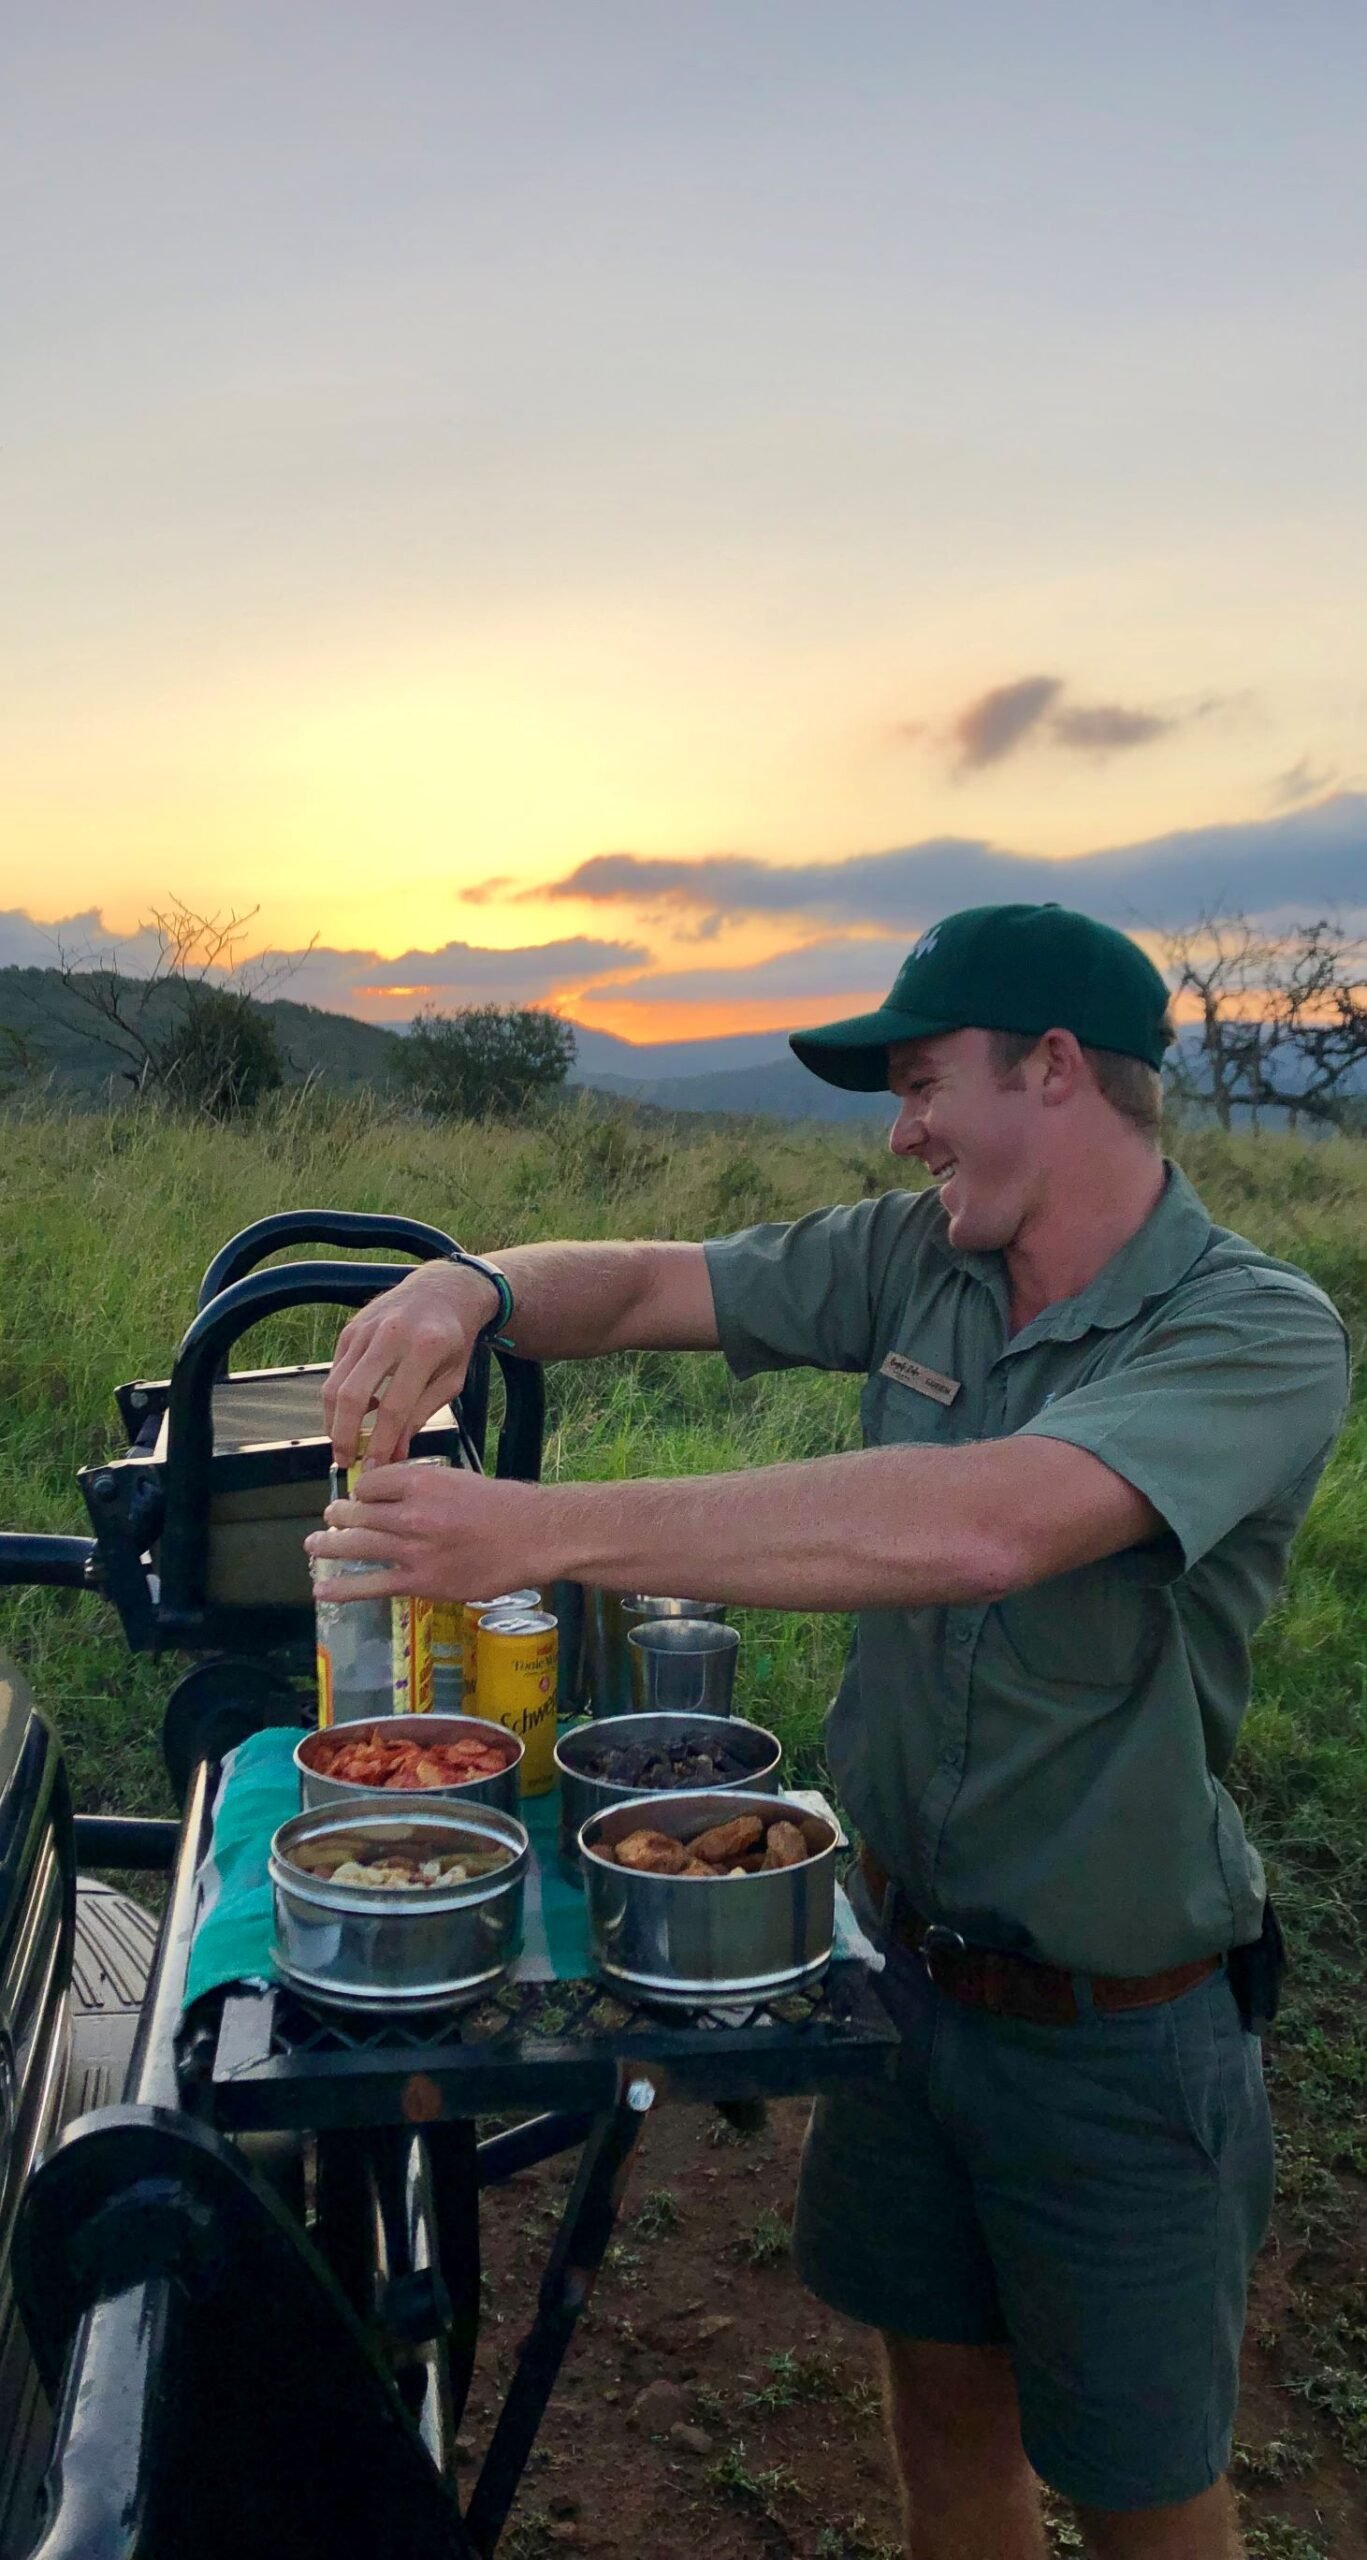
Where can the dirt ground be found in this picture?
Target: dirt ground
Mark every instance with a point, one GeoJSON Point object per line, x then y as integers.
{"type": "Point", "coordinates": [761, 2432]}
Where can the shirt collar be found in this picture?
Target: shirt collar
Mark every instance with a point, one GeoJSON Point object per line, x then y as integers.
{"type": "Point", "coordinates": [1174, 1235]}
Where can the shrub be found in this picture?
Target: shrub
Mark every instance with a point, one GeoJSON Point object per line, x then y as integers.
{"type": "Point", "coordinates": [487, 1063]}
{"type": "Point", "coordinates": [221, 1057]}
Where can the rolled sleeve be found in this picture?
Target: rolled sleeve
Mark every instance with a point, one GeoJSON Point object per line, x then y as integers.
{"type": "Point", "coordinates": [804, 1295]}
{"type": "Point", "coordinates": [1224, 1407]}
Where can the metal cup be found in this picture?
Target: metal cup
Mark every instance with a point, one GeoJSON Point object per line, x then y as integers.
{"type": "Point", "coordinates": [640, 1606]}
{"type": "Point", "coordinates": [565, 1600]}
{"type": "Point", "coordinates": [683, 1666]}
{"type": "Point", "coordinates": [605, 1645]}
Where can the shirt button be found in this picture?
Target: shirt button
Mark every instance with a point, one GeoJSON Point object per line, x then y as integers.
{"type": "Point", "coordinates": [962, 1626]}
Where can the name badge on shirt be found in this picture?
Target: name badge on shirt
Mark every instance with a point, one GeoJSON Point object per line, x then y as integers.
{"type": "Point", "coordinates": [922, 1381]}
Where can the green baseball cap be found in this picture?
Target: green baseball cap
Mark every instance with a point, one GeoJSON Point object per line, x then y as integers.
{"type": "Point", "coordinates": [1003, 969]}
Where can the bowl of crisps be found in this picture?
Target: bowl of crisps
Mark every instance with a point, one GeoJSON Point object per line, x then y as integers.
{"type": "Point", "coordinates": [412, 1758]}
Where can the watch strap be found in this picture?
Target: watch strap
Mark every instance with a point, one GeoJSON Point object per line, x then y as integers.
{"type": "Point", "coordinates": [494, 1330]}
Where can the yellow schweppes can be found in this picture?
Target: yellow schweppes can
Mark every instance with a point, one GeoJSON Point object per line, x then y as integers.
{"type": "Point", "coordinates": [475, 1610]}
{"type": "Point", "coordinates": [516, 1686]}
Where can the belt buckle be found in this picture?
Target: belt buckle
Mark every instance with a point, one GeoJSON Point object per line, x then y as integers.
{"type": "Point", "coordinates": [940, 1941]}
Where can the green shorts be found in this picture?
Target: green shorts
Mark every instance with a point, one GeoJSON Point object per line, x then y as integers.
{"type": "Point", "coordinates": [1091, 2196]}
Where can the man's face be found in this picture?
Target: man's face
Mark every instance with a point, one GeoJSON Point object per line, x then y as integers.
{"type": "Point", "coordinates": [974, 1133]}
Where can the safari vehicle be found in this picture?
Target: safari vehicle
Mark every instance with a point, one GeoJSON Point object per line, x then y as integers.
{"type": "Point", "coordinates": [239, 2241]}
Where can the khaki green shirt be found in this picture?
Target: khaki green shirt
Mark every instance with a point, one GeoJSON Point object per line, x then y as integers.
{"type": "Point", "coordinates": [1044, 1773]}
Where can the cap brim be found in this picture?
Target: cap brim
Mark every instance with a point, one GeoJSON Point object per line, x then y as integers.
{"type": "Point", "coordinates": [854, 1054]}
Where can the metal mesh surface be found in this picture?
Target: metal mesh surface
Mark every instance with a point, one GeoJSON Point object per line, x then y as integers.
{"type": "Point", "coordinates": [578, 2012]}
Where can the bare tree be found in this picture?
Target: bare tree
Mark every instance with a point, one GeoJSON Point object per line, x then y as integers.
{"type": "Point", "coordinates": [1283, 1018]}
{"type": "Point", "coordinates": [160, 1028]}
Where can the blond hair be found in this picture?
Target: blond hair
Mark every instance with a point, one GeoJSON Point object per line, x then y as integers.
{"type": "Point", "coordinates": [1129, 1085]}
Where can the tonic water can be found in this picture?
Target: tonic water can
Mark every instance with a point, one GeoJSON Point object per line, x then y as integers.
{"type": "Point", "coordinates": [473, 1612]}
{"type": "Point", "coordinates": [516, 1686]}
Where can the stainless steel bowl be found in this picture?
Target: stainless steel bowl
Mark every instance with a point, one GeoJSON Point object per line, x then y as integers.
{"type": "Point", "coordinates": [502, 1791]}
{"type": "Point", "coordinates": [581, 1795]}
{"type": "Point", "coordinates": [688, 1942]}
{"type": "Point", "coordinates": [380, 1947]}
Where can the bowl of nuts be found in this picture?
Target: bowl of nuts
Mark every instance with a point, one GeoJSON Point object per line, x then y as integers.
{"type": "Point", "coordinates": [701, 1898]}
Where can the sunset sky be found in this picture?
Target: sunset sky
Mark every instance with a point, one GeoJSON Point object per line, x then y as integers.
{"type": "Point", "coordinates": [639, 503]}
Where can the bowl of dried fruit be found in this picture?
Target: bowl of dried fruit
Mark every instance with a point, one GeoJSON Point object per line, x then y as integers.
{"type": "Point", "coordinates": [611, 1760]}
{"type": "Point", "coordinates": [377, 1907]}
{"type": "Point", "coordinates": [414, 1756]}
{"type": "Point", "coordinates": [706, 1898]}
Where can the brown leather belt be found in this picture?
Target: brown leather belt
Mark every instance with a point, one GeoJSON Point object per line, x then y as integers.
{"type": "Point", "coordinates": [1014, 1986]}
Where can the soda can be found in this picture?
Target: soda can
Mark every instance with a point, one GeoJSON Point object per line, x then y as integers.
{"type": "Point", "coordinates": [474, 1611]}
{"type": "Point", "coordinates": [516, 1686]}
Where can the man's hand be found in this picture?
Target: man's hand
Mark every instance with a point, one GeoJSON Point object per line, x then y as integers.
{"type": "Point", "coordinates": [406, 1354]}
{"type": "Point", "coordinates": [439, 1532]}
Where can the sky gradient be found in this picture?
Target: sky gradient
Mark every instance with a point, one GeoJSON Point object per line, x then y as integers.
{"type": "Point", "coordinates": [447, 452]}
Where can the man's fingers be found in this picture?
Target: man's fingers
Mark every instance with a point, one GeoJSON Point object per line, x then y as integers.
{"type": "Point", "coordinates": [350, 1347]}
{"type": "Point", "coordinates": [354, 1546]}
{"type": "Point", "coordinates": [423, 1375]}
{"type": "Point", "coordinates": [353, 1397]}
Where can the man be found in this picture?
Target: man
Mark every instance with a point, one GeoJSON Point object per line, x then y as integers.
{"type": "Point", "coordinates": [1093, 1422]}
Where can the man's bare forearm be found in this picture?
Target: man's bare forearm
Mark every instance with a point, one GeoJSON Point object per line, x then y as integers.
{"type": "Point", "coordinates": [879, 1528]}
{"type": "Point", "coordinates": [574, 1301]}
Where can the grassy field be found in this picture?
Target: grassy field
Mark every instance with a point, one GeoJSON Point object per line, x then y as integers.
{"type": "Point", "coordinates": [106, 1223]}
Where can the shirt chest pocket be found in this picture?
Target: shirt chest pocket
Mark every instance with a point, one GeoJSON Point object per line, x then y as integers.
{"type": "Point", "coordinates": [896, 1416]}
{"type": "Point", "coordinates": [1096, 1628]}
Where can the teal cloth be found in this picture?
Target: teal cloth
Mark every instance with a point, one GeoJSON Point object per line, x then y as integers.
{"type": "Point", "coordinates": [235, 1927]}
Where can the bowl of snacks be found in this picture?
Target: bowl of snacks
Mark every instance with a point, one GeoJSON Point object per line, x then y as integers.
{"type": "Point", "coordinates": [411, 1756]}
{"type": "Point", "coordinates": [701, 1898]}
{"type": "Point", "coordinates": [378, 1907]}
{"type": "Point", "coordinates": [612, 1759]}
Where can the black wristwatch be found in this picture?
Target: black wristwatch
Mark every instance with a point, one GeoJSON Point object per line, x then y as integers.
{"type": "Point", "coordinates": [495, 1331]}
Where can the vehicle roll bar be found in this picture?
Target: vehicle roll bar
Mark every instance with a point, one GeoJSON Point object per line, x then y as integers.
{"type": "Point", "coordinates": [359, 1230]}
{"type": "Point", "coordinates": [59, 1563]}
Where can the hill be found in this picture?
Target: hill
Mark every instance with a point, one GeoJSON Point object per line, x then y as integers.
{"type": "Point", "coordinates": [61, 1035]}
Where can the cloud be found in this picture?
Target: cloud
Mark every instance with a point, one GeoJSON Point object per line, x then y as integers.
{"type": "Point", "coordinates": [81, 941]}
{"type": "Point", "coordinates": [1270, 867]}
{"type": "Point", "coordinates": [839, 965]}
{"type": "Point", "coordinates": [1033, 711]}
{"type": "Point", "coordinates": [480, 892]}
{"type": "Point", "coordinates": [1299, 783]}
{"type": "Point", "coordinates": [988, 729]}
{"type": "Point", "coordinates": [1098, 727]}
{"type": "Point", "coordinates": [363, 982]}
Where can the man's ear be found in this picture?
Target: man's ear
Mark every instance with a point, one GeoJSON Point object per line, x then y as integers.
{"type": "Point", "coordinates": [1061, 1067]}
